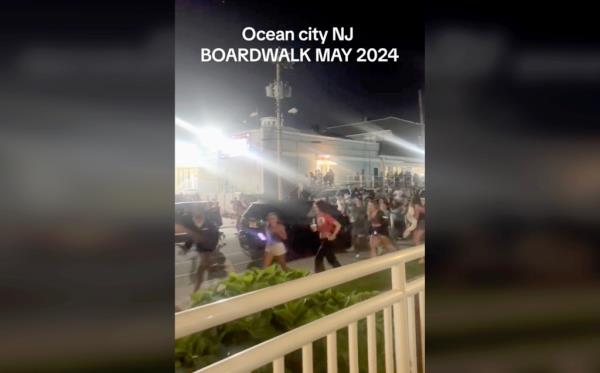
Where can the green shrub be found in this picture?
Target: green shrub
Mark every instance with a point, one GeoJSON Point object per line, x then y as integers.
{"type": "Point", "coordinates": [201, 349]}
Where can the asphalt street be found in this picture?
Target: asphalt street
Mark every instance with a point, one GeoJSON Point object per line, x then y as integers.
{"type": "Point", "coordinates": [236, 260]}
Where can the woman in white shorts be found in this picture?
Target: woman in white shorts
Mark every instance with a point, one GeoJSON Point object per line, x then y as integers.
{"type": "Point", "coordinates": [275, 234]}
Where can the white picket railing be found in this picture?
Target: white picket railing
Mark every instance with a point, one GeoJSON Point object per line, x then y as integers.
{"type": "Point", "coordinates": [397, 305]}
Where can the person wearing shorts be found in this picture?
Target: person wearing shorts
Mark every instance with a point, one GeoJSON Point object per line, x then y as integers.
{"type": "Point", "coordinates": [274, 248]}
{"type": "Point", "coordinates": [378, 230]}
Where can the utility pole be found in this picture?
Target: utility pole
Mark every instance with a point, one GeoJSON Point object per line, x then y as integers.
{"type": "Point", "coordinates": [279, 122]}
{"type": "Point", "coordinates": [279, 90]}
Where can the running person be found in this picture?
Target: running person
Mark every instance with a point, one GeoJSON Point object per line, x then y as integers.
{"type": "Point", "coordinates": [328, 228]}
{"type": "Point", "coordinates": [204, 237]}
{"type": "Point", "coordinates": [378, 230]}
{"type": "Point", "coordinates": [238, 211]}
{"type": "Point", "coordinates": [275, 249]}
{"type": "Point", "coordinates": [418, 208]}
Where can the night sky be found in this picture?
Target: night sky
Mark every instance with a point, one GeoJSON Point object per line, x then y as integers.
{"type": "Point", "coordinates": [223, 94]}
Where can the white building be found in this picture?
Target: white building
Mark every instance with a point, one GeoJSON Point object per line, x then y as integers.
{"type": "Point", "coordinates": [363, 151]}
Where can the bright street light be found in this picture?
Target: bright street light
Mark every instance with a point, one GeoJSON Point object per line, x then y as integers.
{"type": "Point", "coordinates": [213, 141]}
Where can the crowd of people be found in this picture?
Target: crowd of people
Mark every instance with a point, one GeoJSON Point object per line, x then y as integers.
{"type": "Point", "coordinates": [392, 213]}
{"type": "Point", "coordinates": [403, 179]}
{"type": "Point", "coordinates": [377, 218]}
{"type": "Point", "coordinates": [392, 179]}
{"type": "Point", "coordinates": [320, 178]}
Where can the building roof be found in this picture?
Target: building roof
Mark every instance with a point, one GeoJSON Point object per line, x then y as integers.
{"type": "Point", "coordinates": [388, 123]}
{"type": "Point", "coordinates": [391, 132]}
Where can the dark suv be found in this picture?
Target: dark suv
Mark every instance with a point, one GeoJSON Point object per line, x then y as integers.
{"type": "Point", "coordinates": [297, 217]}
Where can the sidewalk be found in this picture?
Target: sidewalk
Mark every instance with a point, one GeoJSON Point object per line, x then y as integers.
{"type": "Point", "coordinates": [228, 223]}
{"type": "Point", "coordinates": [182, 293]}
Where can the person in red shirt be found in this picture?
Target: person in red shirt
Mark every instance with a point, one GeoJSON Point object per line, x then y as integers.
{"type": "Point", "coordinates": [328, 228]}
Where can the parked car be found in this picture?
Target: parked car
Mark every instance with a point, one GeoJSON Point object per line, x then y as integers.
{"type": "Point", "coordinates": [297, 217]}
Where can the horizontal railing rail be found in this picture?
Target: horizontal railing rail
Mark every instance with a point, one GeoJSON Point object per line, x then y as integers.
{"type": "Point", "coordinates": [207, 316]}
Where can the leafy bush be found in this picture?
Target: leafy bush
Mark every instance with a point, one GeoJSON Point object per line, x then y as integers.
{"type": "Point", "coordinates": [200, 349]}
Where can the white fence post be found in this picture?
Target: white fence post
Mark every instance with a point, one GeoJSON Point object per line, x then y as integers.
{"type": "Point", "coordinates": [307, 358]}
{"type": "Point", "coordinates": [400, 329]}
{"type": "Point", "coordinates": [388, 340]}
{"type": "Point", "coordinates": [279, 365]}
{"type": "Point", "coordinates": [353, 347]}
{"type": "Point", "coordinates": [422, 327]}
{"type": "Point", "coordinates": [412, 333]}
{"type": "Point", "coordinates": [332, 353]}
{"type": "Point", "coordinates": [372, 343]}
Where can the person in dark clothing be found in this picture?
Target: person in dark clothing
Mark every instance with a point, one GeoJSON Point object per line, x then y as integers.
{"type": "Point", "coordinates": [396, 220]}
{"type": "Point", "coordinates": [204, 237]}
{"type": "Point", "coordinates": [379, 229]}
{"type": "Point", "coordinates": [238, 210]}
{"type": "Point", "coordinates": [358, 219]}
{"type": "Point", "coordinates": [214, 214]}
{"type": "Point", "coordinates": [328, 228]}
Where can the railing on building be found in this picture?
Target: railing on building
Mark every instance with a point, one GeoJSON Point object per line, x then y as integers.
{"type": "Point", "coordinates": [378, 182]}
{"type": "Point", "coordinates": [366, 181]}
{"type": "Point", "coordinates": [400, 325]}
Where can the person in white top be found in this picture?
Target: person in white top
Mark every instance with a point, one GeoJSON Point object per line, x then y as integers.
{"type": "Point", "coordinates": [275, 248]}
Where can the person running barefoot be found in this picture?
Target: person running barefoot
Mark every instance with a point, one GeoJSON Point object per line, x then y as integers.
{"type": "Point", "coordinates": [378, 230]}
{"type": "Point", "coordinates": [328, 228]}
{"type": "Point", "coordinates": [275, 249]}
